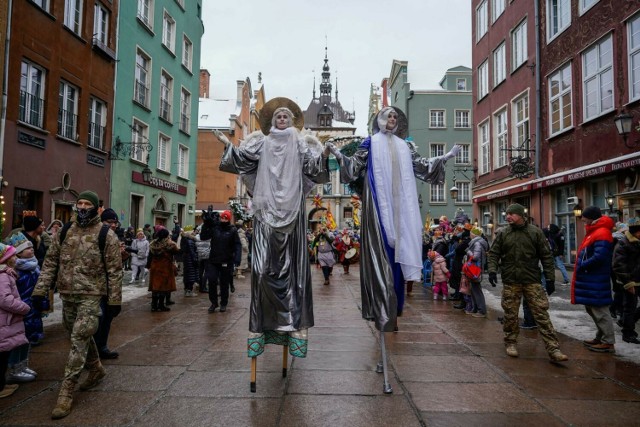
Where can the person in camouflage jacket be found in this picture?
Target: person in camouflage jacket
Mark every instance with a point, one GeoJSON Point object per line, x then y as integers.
{"type": "Point", "coordinates": [82, 277]}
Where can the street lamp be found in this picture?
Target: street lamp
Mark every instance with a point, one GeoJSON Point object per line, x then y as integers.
{"type": "Point", "coordinates": [610, 201]}
{"type": "Point", "coordinates": [577, 210]}
{"type": "Point", "coordinates": [623, 124]}
{"type": "Point", "coordinates": [454, 191]}
{"type": "Point", "coordinates": [146, 172]}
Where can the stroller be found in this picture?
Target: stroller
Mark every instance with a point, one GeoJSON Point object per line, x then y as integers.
{"type": "Point", "coordinates": [426, 273]}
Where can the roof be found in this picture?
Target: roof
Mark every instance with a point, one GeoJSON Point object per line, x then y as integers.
{"type": "Point", "coordinates": [215, 113]}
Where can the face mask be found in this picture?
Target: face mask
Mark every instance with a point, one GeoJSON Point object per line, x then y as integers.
{"type": "Point", "coordinates": [86, 215]}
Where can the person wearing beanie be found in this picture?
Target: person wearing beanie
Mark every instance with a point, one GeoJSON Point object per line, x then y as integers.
{"type": "Point", "coordinates": [32, 229]}
{"type": "Point", "coordinates": [627, 270]}
{"type": "Point", "coordinates": [518, 250]}
{"type": "Point", "coordinates": [109, 215]}
{"type": "Point", "coordinates": [477, 251]}
{"type": "Point", "coordinates": [12, 310]}
{"type": "Point", "coordinates": [162, 270]}
{"type": "Point", "coordinates": [71, 266]}
{"type": "Point", "coordinates": [591, 283]}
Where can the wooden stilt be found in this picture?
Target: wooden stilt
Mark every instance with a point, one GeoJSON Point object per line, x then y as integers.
{"type": "Point", "coordinates": [285, 354]}
{"type": "Point", "coordinates": [254, 368]}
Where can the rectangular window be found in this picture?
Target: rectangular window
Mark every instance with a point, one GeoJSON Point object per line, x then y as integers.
{"type": "Point", "coordinates": [44, 4]}
{"type": "Point", "coordinates": [497, 7]}
{"type": "Point", "coordinates": [143, 71]}
{"type": "Point", "coordinates": [97, 123]}
{"type": "Point", "coordinates": [483, 138]}
{"type": "Point", "coordinates": [168, 32]}
{"type": "Point", "coordinates": [73, 15]}
{"type": "Point", "coordinates": [501, 137]}
{"type": "Point", "coordinates": [31, 109]}
{"type": "Point", "coordinates": [499, 65]}
{"type": "Point", "coordinates": [187, 53]}
{"type": "Point", "coordinates": [520, 117]}
{"type": "Point", "coordinates": [164, 153]}
{"type": "Point", "coordinates": [145, 12]}
{"type": "Point", "coordinates": [101, 24]}
{"type": "Point", "coordinates": [437, 193]}
{"type": "Point", "coordinates": [327, 189]}
{"type": "Point", "coordinates": [634, 58]}
{"type": "Point", "coordinates": [464, 192]}
{"type": "Point", "coordinates": [183, 162]}
{"type": "Point", "coordinates": [482, 17]}
{"type": "Point", "coordinates": [483, 80]}
{"type": "Point", "coordinates": [519, 52]}
{"type": "Point", "coordinates": [462, 119]}
{"type": "Point", "coordinates": [597, 78]}
{"type": "Point", "coordinates": [166, 95]}
{"type": "Point", "coordinates": [560, 108]}
{"type": "Point", "coordinates": [68, 111]}
{"type": "Point", "coordinates": [463, 157]}
{"type": "Point", "coordinates": [586, 5]}
{"type": "Point", "coordinates": [185, 110]}
{"type": "Point", "coordinates": [140, 138]}
{"type": "Point", "coordinates": [461, 84]}
{"type": "Point", "coordinates": [436, 119]}
{"type": "Point", "coordinates": [558, 17]}
{"type": "Point", "coordinates": [437, 150]}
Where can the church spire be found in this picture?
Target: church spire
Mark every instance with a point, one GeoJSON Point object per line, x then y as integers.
{"type": "Point", "coordinates": [314, 85]}
{"type": "Point", "coordinates": [336, 86]}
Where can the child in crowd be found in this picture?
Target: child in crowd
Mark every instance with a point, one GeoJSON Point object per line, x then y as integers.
{"type": "Point", "coordinates": [12, 309]}
{"type": "Point", "coordinates": [440, 275]}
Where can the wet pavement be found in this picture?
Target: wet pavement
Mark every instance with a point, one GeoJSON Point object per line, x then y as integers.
{"type": "Point", "coordinates": [188, 367]}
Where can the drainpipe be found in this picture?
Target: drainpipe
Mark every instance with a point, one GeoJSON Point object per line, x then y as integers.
{"type": "Point", "coordinates": [5, 84]}
{"type": "Point", "coordinates": [114, 118]}
{"type": "Point", "coordinates": [536, 6]}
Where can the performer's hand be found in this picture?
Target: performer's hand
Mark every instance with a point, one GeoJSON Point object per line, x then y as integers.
{"type": "Point", "coordinates": [493, 279]}
{"type": "Point", "coordinates": [334, 150]}
{"type": "Point", "coordinates": [454, 151]}
{"type": "Point", "coordinates": [222, 138]}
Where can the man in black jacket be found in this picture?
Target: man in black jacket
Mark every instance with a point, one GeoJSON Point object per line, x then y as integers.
{"type": "Point", "coordinates": [225, 253]}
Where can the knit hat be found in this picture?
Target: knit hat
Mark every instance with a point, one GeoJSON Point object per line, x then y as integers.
{"type": "Point", "coordinates": [108, 215]}
{"type": "Point", "coordinates": [477, 231]}
{"type": "Point", "coordinates": [225, 216]}
{"type": "Point", "coordinates": [516, 208]}
{"type": "Point", "coordinates": [90, 196]}
{"type": "Point", "coordinates": [162, 234]}
{"type": "Point", "coordinates": [634, 225]}
{"type": "Point", "coordinates": [6, 252]}
{"type": "Point", "coordinates": [30, 220]}
{"type": "Point", "coordinates": [592, 212]}
{"type": "Point", "coordinates": [19, 242]}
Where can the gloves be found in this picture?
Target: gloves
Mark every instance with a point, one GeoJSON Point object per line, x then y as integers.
{"type": "Point", "coordinates": [493, 279]}
{"type": "Point", "coordinates": [37, 301]}
{"type": "Point", "coordinates": [222, 138]}
{"type": "Point", "coordinates": [114, 310]}
{"type": "Point", "coordinates": [333, 149]}
{"type": "Point", "coordinates": [550, 285]}
{"type": "Point", "coordinates": [454, 151]}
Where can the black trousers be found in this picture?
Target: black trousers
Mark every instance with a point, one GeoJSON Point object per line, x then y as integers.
{"type": "Point", "coordinates": [4, 362]}
{"type": "Point", "coordinates": [219, 275]}
{"type": "Point", "coordinates": [630, 314]}
{"type": "Point", "coordinates": [104, 327]}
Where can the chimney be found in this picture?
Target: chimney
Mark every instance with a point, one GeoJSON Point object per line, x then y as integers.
{"type": "Point", "coordinates": [204, 83]}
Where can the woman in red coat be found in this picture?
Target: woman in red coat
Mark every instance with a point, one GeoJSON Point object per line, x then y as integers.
{"type": "Point", "coordinates": [162, 273]}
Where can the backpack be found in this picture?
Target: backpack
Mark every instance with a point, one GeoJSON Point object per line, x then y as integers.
{"type": "Point", "coordinates": [102, 241]}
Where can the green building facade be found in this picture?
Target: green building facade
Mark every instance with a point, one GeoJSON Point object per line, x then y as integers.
{"type": "Point", "coordinates": [439, 119]}
{"type": "Point", "coordinates": [155, 125]}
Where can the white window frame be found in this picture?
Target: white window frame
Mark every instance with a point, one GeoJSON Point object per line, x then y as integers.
{"type": "Point", "coordinates": [519, 48]}
{"type": "Point", "coordinates": [437, 149]}
{"type": "Point", "coordinates": [633, 29]}
{"type": "Point", "coordinates": [462, 119]}
{"type": "Point", "coordinates": [183, 161]}
{"type": "Point", "coordinates": [166, 95]}
{"type": "Point", "coordinates": [142, 89]}
{"type": "Point", "coordinates": [461, 85]}
{"type": "Point", "coordinates": [187, 52]}
{"type": "Point", "coordinates": [464, 191]}
{"type": "Point", "coordinates": [169, 32]}
{"type": "Point", "coordinates": [68, 96]}
{"type": "Point", "coordinates": [163, 161]}
{"type": "Point", "coordinates": [497, 9]}
{"type": "Point", "coordinates": [185, 110]}
{"type": "Point", "coordinates": [501, 137]}
{"type": "Point", "coordinates": [437, 119]}
{"type": "Point", "coordinates": [42, 4]}
{"type": "Point", "coordinates": [482, 20]}
{"type": "Point", "coordinates": [585, 5]}
{"type": "Point", "coordinates": [521, 124]}
{"type": "Point", "coordinates": [561, 15]}
{"type": "Point", "coordinates": [601, 75]}
{"type": "Point", "coordinates": [145, 12]}
{"type": "Point", "coordinates": [464, 155]}
{"type": "Point", "coordinates": [483, 79]}
{"type": "Point", "coordinates": [484, 143]}
{"type": "Point", "coordinates": [558, 102]}
{"type": "Point", "coordinates": [436, 193]}
{"type": "Point", "coordinates": [73, 15]}
{"type": "Point", "coordinates": [101, 19]}
{"type": "Point", "coordinates": [139, 135]}
{"type": "Point", "coordinates": [499, 64]}
{"type": "Point", "coordinates": [97, 123]}
{"type": "Point", "coordinates": [32, 93]}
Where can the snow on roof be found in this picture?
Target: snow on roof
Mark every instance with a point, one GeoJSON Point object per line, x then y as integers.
{"type": "Point", "coordinates": [337, 124]}
{"type": "Point", "coordinates": [215, 113]}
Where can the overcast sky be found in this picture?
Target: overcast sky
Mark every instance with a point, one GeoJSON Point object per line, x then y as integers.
{"type": "Point", "coordinates": [285, 40]}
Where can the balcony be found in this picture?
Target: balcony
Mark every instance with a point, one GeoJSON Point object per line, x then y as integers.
{"type": "Point", "coordinates": [67, 122]}
{"type": "Point", "coordinates": [31, 109]}
{"type": "Point", "coordinates": [102, 48]}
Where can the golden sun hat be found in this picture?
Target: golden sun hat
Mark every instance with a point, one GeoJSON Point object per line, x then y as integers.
{"type": "Point", "coordinates": [266, 113]}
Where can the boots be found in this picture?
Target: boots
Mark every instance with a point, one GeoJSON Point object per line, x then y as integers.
{"type": "Point", "coordinates": [161, 301]}
{"type": "Point", "coordinates": [65, 400]}
{"type": "Point", "coordinates": [410, 288]}
{"type": "Point", "coordinates": [168, 299]}
{"type": "Point", "coordinates": [18, 375]}
{"type": "Point", "coordinates": [346, 269]}
{"type": "Point", "coordinates": [154, 301]}
{"type": "Point", "coordinates": [96, 374]}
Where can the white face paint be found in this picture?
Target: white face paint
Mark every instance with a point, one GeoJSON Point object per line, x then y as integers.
{"type": "Point", "coordinates": [282, 121]}
{"type": "Point", "coordinates": [392, 120]}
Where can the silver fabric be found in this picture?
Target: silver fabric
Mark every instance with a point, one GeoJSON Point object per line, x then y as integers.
{"type": "Point", "coordinates": [379, 300]}
{"type": "Point", "coordinates": [281, 298]}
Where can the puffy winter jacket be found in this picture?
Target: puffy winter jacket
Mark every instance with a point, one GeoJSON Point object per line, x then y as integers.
{"type": "Point", "coordinates": [626, 257]}
{"type": "Point", "coordinates": [12, 310]}
{"type": "Point", "coordinates": [439, 269]}
{"type": "Point", "coordinates": [477, 249]}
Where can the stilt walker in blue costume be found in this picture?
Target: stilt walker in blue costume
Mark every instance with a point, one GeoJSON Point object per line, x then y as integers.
{"type": "Point", "coordinates": [279, 166]}
{"type": "Point", "coordinates": [391, 236]}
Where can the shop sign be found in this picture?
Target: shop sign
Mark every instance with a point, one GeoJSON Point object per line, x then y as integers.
{"type": "Point", "coordinates": [159, 183]}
